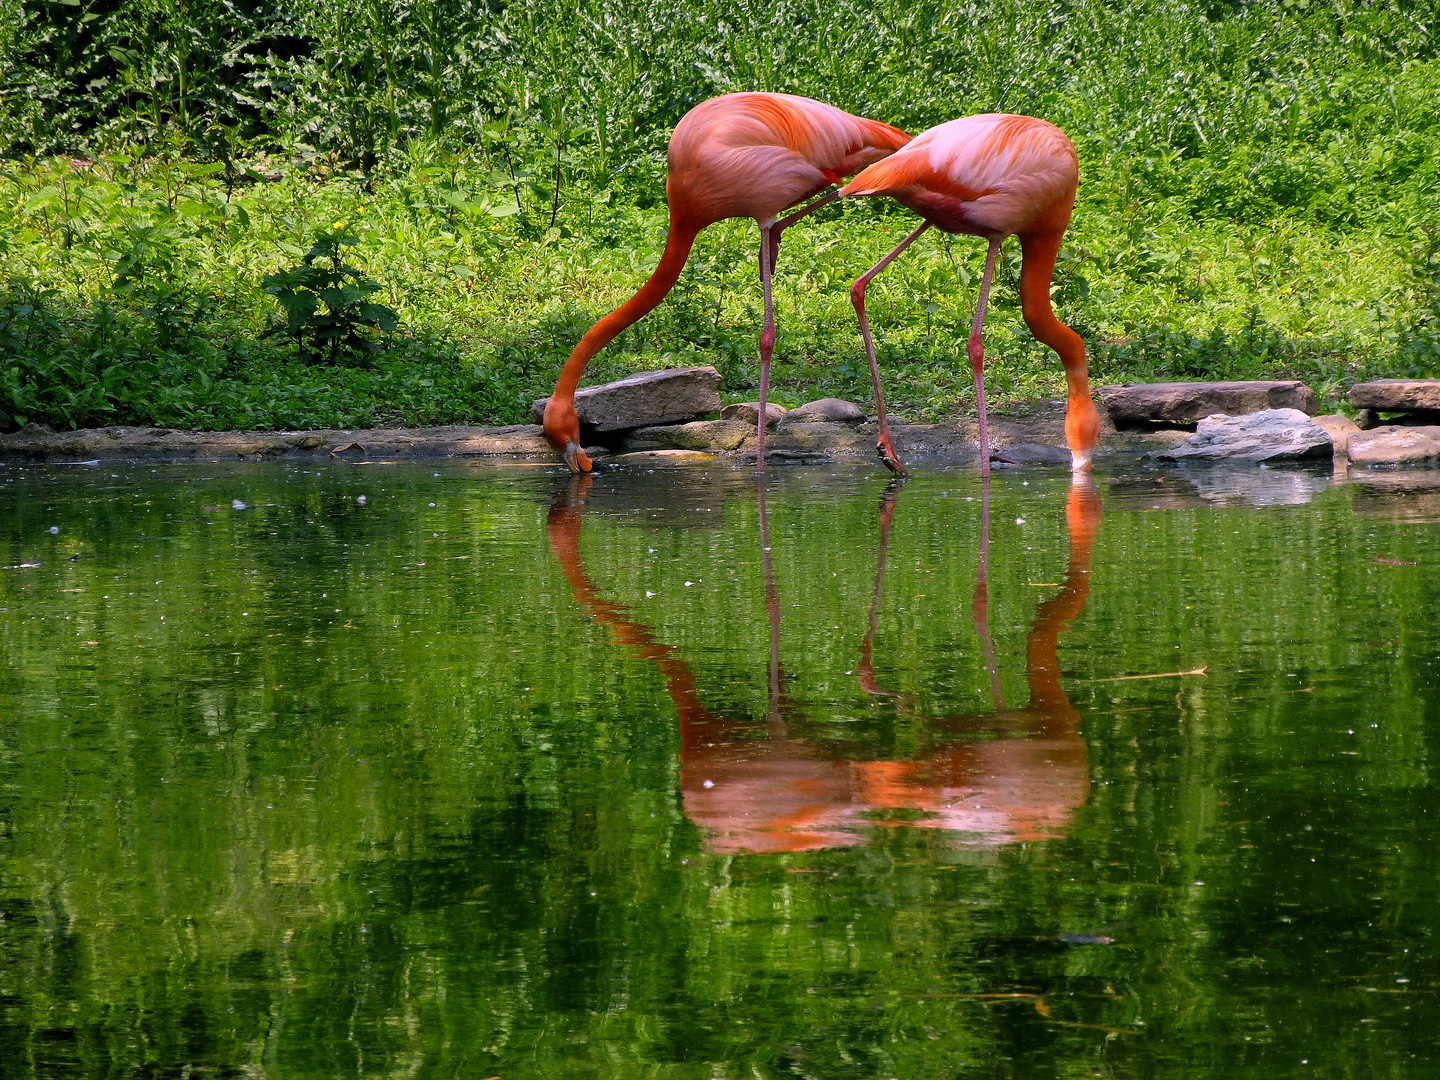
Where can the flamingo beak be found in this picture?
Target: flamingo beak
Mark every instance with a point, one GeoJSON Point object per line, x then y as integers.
{"type": "Point", "coordinates": [1080, 460]}
{"type": "Point", "coordinates": [577, 459]}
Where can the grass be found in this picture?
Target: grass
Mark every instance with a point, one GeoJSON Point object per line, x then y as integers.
{"type": "Point", "coordinates": [1258, 193]}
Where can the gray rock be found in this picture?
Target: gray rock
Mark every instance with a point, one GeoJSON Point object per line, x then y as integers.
{"type": "Point", "coordinates": [1272, 435]}
{"type": "Point", "coordinates": [1188, 402]}
{"type": "Point", "coordinates": [1030, 454]}
{"type": "Point", "coordinates": [1393, 445]}
{"type": "Point", "coordinates": [1397, 395]}
{"type": "Point", "coordinates": [644, 399]}
{"type": "Point", "coordinates": [825, 411]}
{"type": "Point", "coordinates": [749, 412]}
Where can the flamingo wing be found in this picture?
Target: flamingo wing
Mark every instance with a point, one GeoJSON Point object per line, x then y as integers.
{"type": "Point", "coordinates": [991, 174]}
{"type": "Point", "coordinates": [753, 155]}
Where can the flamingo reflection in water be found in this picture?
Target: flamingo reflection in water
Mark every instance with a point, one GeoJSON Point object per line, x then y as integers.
{"type": "Point", "coordinates": [784, 794]}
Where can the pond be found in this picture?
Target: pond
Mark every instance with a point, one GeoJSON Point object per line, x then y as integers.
{"type": "Point", "coordinates": [451, 770]}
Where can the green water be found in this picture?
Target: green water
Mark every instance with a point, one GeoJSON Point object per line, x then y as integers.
{"type": "Point", "coordinates": [495, 775]}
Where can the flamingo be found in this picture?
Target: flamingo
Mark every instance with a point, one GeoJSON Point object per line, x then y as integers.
{"type": "Point", "coordinates": [994, 175]}
{"type": "Point", "coordinates": [739, 155]}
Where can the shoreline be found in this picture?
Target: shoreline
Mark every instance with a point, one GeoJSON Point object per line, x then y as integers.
{"type": "Point", "coordinates": [1038, 427]}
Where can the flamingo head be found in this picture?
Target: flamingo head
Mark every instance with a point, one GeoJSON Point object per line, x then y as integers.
{"type": "Point", "coordinates": [562, 428]}
{"type": "Point", "coordinates": [1082, 430]}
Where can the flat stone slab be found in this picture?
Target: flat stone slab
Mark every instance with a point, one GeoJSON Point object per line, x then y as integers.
{"type": "Point", "coordinates": [1272, 435]}
{"type": "Point", "coordinates": [644, 399]}
{"type": "Point", "coordinates": [119, 443]}
{"type": "Point", "coordinates": [825, 411]}
{"type": "Point", "coordinates": [707, 436]}
{"type": "Point", "coordinates": [1397, 395]}
{"type": "Point", "coordinates": [667, 457]}
{"type": "Point", "coordinates": [1189, 402]}
{"type": "Point", "coordinates": [749, 412]}
{"type": "Point", "coordinates": [1394, 445]}
{"type": "Point", "coordinates": [821, 436]}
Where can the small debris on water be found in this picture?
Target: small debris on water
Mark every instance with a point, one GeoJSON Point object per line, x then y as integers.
{"type": "Point", "coordinates": [54, 530]}
{"type": "Point", "coordinates": [238, 504]}
{"type": "Point", "coordinates": [708, 784]}
{"type": "Point", "coordinates": [360, 499]}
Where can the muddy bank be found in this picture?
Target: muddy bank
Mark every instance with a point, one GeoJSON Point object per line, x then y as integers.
{"type": "Point", "coordinates": [1023, 428]}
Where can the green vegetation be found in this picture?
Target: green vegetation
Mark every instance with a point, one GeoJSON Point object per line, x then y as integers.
{"type": "Point", "coordinates": [1259, 192]}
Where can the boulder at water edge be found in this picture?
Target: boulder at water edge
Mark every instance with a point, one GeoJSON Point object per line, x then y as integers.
{"type": "Point", "coordinates": [1187, 402]}
{"type": "Point", "coordinates": [1272, 435]}
{"type": "Point", "coordinates": [1391, 445]}
{"type": "Point", "coordinates": [644, 399]}
{"type": "Point", "coordinates": [825, 411]}
{"type": "Point", "coordinates": [749, 412]}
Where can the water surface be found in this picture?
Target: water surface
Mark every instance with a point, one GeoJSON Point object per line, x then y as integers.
{"type": "Point", "coordinates": [446, 770]}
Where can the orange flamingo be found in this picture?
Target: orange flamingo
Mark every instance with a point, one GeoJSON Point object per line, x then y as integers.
{"type": "Point", "coordinates": [740, 155]}
{"type": "Point", "coordinates": [993, 176]}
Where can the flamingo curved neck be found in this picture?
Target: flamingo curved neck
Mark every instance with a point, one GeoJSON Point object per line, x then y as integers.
{"type": "Point", "coordinates": [677, 250]}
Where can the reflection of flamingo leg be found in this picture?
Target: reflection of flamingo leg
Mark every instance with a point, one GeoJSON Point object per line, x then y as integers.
{"type": "Point", "coordinates": [980, 606]}
{"type": "Point", "coordinates": [784, 794]}
{"type": "Point", "coordinates": [772, 602]}
{"type": "Point", "coordinates": [868, 682]}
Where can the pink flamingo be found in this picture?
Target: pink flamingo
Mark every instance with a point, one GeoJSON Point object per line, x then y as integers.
{"type": "Point", "coordinates": [740, 155]}
{"type": "Point", "coordinates": [993, 176]}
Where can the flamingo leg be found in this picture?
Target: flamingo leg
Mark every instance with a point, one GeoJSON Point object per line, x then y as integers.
{"type": "Point", "coordinates": [977, 353]}
{"type": "Point", "coordinates": [785, 222]}
{"type": "Point", "coordinates": [884, 446]}
{"type": "Point", "coordinates": [767, 343]}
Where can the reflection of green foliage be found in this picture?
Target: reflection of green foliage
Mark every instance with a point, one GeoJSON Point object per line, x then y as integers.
{"type": "Point", "coordinates": [343, 290]}
{"type": "Point", "coordinates": [445, 839]}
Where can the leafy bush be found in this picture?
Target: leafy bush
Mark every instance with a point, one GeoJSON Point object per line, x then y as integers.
{"type": "Point", "coordinates": [344, 292]}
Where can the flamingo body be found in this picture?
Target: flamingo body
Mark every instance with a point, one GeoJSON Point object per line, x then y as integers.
{"type": "Point", "coordinates": [756, 155]}
{"type": "Point", "coordinates": [989, 175]}
{"type": "Point", "coordinates": [993, 175]}
{"type": "Point", "coordinates": [740, 155]}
